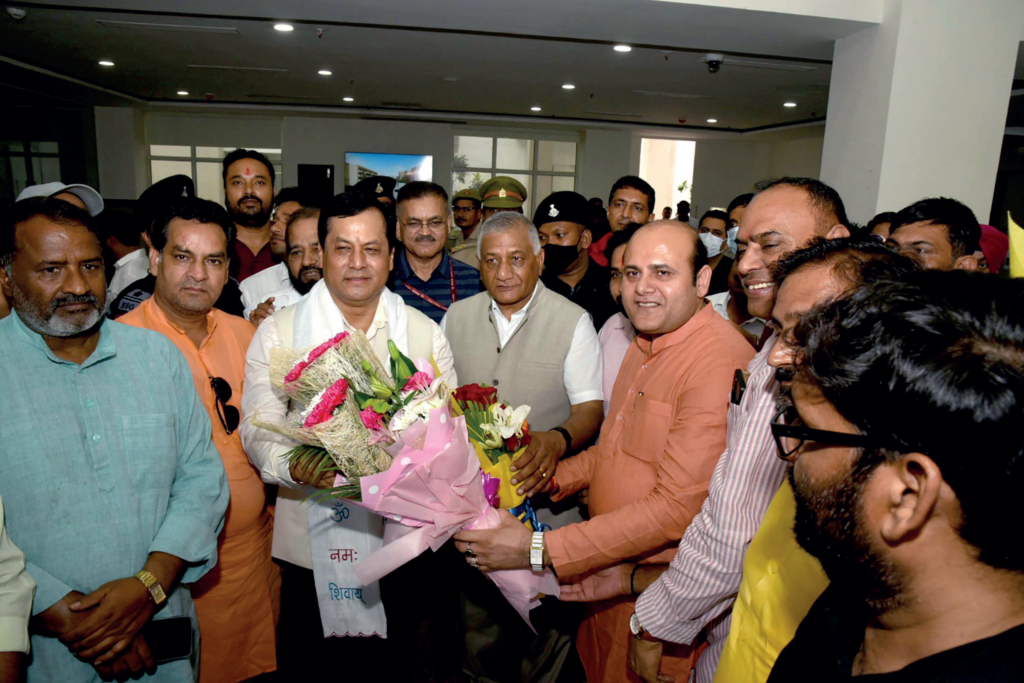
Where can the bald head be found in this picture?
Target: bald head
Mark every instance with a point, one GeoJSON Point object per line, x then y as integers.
{"type": "Point", "coordinates": [665, 277]}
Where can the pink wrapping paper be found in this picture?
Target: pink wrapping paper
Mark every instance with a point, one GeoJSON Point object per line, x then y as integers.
{"type": "Point", "coordinates": [433, 488]}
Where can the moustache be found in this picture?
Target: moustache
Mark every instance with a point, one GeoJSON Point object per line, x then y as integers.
{"type": "Point", "coordinates": [72, 299]}
{"type": "Point", "coordinates": [784, 375]}
{"type": "Point", "coordinates": [251, 196]}
{"type": "Point", "coordinates": [425, 238]}
{"type": "Point", "coordinates": [311, 269]}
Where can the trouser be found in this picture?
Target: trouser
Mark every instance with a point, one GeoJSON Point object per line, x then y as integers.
{"type": "Point", "coordinates": [500, 648]}
{"type": "Point", "coordinates": [422, 645]}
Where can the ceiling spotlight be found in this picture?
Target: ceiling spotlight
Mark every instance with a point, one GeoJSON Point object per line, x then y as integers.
{"type": "Point", "coordinates": [623, 48]}
{"type": "Point", "coordinates": [183, 92]}
{"type": "Point", "coordinates": [789, 104]}
{"type": "Point", "coordinates": [324, 72]}
{"type": "Point", "coordinates": [284, 27]}
{"type": "Point", "coordinates": [450, 79]}
{"type": "Point", "coordinates": [348, 99]}
{"type": "Point", "coordinates": [534, 108]}
{"type": "Point", "coordinates": [568, 86]}
{"type": "Point", "coordinates": [106, 62]}
{"type": "Point", "coordinates": [712, 120]}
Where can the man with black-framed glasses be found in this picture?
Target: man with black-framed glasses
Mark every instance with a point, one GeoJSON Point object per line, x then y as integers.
{"type": "Point", "coordinates": [425, 275]}
{"type": "Point", "coordinates": [238, 603]}
{"type": "Point", "coordinates": [912, 522]}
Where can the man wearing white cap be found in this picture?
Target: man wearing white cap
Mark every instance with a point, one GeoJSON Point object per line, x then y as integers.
{"type": "Point", "coordinates": [82, 196]}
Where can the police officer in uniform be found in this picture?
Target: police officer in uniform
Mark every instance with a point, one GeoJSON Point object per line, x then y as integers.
{"type": "Point", "coordinates": [381, 187]}
{"type": "Point", "coordinates": [500, 193]}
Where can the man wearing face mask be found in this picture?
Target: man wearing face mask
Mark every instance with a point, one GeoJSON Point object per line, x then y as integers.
{"type": "Point", "coordinates": [736, 208]}
{"type": "Point", "coordinates": [713, 233]}
{"type": "Point", "coordinates": [562, 220]}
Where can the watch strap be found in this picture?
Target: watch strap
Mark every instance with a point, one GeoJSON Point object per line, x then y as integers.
{"type": "Point", "coordinates": [537, 551]}
{"type": "Point", "coordinates": [568, 438]}
{"type": "Point", "coordinates": [156, 591]}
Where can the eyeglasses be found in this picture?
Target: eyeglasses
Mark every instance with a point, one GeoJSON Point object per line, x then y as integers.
{"type": "Point", "coordinates": [790, 438]}
{"type": "Point", "coordinates": [229, 415]}
{"type": "Point", "coordinates": [435, 224]}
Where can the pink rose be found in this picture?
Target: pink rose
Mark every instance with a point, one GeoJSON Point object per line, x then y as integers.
{"type": "Point", "coordinates": [373, 420]}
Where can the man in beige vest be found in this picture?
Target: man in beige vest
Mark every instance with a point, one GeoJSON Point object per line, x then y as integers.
{"type": "Point", "coordinates": [540, 349]}
{"type": "Point", "coordinates": [357, 241]}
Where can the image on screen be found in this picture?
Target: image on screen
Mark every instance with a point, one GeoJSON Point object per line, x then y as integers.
{"type": "Point", "coordinates": [404, 168]}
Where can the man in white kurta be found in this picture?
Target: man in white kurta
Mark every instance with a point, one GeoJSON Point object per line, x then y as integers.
{"type": "Point", "coordinates": [357, 256]}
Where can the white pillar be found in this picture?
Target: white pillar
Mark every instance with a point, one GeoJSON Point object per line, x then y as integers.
{"type": "Point", "coordinates": [121, 152]}
{"type": "Point", "coordinates": [917, 105]}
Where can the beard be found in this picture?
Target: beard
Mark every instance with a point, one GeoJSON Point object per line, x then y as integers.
{"type": "Point", "coordinates": [830, 525]}
{"type": "Point", "coordinates": [49, 322]}
{"type": "Point", "coordinates": [251, 217]}
{"type": "Point", "coordinates": [304, 287]}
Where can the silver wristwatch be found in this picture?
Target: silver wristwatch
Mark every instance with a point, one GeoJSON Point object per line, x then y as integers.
{"type": "Point", "coordinates": [635, 627]}
{"type": "Point", "coordinates": [537, 551]}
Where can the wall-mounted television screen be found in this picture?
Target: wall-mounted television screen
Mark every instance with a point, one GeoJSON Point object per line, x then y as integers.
{"type": "Point", "coordinates": [404, 168]}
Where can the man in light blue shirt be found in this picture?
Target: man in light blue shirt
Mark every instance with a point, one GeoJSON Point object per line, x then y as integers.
{"type": "Point", "coordinates": [106, 462]}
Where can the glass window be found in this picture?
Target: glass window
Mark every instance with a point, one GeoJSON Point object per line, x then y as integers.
{"type": "Point", "coordinates": [210, 181]}
{"type": "Point", "coordinates": [514, 154]}
{"type": "Point", "coordinates": [46, 169]}
{"type": "Point", "coordinates": [18, 146]}
{"type": "Point", "coordinates": [170, 151]}
{"type": "Point", "coordinates": [473, 152]}
{"type": "Point", "coordinates": [44, 147]}
{"type": "Point", "coordinates": [161, 169]}
{"type": "Point", "coordinates": [473, 179]}
{"type": "Point", "coordinates": [556, 156]}
{"type": "Point", "coordinates": [546, 184]}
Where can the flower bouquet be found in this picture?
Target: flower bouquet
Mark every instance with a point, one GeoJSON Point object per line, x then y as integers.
{"type": "Point", "coordinates": [499, 435]}
{"type": "Point", "coordinates": [396, 450]}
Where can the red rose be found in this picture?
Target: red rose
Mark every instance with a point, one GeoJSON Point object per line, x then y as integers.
{"type": "Point", "coordinates": [484, 396]}
{"type": "Point", "coordinates": [513, 443]}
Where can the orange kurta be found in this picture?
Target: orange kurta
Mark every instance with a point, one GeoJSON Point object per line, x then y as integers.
{"type": "Point", "coordinates": [238, 601]}
{"type": "Point", "coordinates": [649, 474]}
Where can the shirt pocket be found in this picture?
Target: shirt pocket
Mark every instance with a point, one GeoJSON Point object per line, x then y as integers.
{"type": "Point", "coordinates": [645, 436]}
{"type": "Point", "coordinates": [151, 448]}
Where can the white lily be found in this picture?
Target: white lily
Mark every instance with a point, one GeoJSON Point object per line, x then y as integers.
{"type": "Point", "coordinates": [418, 409]}
{"type": "Point", "coordinates": [491, 435]}
{"type": "Point", "coordinates": [509, 421]}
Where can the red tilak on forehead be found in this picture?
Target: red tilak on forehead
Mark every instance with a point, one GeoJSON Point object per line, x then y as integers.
{"type": "Point", "coordinates": [247, 171]}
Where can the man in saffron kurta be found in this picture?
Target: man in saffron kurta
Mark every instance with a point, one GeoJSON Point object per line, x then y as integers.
{"type": "Point", "coordinates": [238, 601]}
{"type": "Point", "coordinates": [649, 473]}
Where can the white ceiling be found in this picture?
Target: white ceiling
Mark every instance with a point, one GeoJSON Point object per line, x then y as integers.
{"type": "Point", "coordinates": [507, 57]}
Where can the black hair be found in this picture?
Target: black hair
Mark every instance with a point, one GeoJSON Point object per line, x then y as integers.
{"type": "Point", "coordinates": [826, 201]}
{"type": "Point", "coordinates": [742, 200]}
{"type": "Point", "coordinates": [247, 154]}
{"type": "Point", "coordinates": [304, 213]}
{"type": "Point", "coordinates": [54, 210]}
{"type": "Point", "coordinates": [961, 224]}
{"type": "Point", "coordinates": [353, 203]}
{"type": "Point", "coordinates": [619, 238]}
{"type": "Point", "coordinates": [853, 260]}
{"type": "Point", "coordinates": [421, 188]}
{"type": "Point", "coordinates": [192, 209]}
{"type": "Point", "coordinates": [632, 182]}
{"type": "Point", "coordinates": [933, 363]}
{"type": "Point", "coordinates": [295, 194]}
{"type": "Point", "coordinates": [120, 225]}
{"type": "Point", "coordinates": [715, 213]}
{"type": "Point", "coordinates": [884, 217]}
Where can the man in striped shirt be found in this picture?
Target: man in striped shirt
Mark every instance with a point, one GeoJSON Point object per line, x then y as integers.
{"type": "Point", "coordinates": [697, 591]}
{"type": "Point", "coordinates": [424, 275]}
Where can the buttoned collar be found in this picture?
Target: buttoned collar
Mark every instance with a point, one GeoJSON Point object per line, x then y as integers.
{"type": "Point", "coordinates": [152, 310]}
{"type": "Point", "coordinates": [105, 347]}
{"type": "Point", "coordinates": [521, 313]}
{"type": "Point", "coordinates": [129, 257]}
{"type": "Point", "coordinates": [405, 271]}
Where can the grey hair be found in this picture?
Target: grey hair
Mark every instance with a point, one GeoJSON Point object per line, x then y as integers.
{"type": "Point", "coordinates": [507, 220]}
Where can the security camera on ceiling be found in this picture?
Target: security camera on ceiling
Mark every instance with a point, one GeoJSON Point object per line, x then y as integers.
{"type": "Point", "coordinates": [714, 61]}
{"type": "Point", "coordinates": [16, 13]}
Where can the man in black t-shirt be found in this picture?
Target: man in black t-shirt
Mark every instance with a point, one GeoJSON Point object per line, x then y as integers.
{"type": "Point", "coordinates": [902, 421]}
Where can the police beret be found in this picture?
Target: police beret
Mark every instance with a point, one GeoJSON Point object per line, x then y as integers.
{"type": "Point", "coordinates": [563, 207]}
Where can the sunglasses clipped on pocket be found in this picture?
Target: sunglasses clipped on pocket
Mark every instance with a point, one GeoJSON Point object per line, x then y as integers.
{"type": "Point", "coordinates": [229, 415]}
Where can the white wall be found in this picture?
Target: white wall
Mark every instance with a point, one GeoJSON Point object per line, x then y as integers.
{"type": "Point", "coordinates": [214, 130]}
{"type": "Point", "coordinates": [800, 158]}
{"type": "Point", "coordinates": [605, 156]}
{"type": "Point", "coordinates": [723, 169]}
{"type": "Point", "coordinates": [310, 140]}
{"type": "Point", "coordinates": [120, 152]}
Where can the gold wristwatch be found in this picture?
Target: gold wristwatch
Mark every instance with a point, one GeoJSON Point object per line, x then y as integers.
{"type": "Point", "coordinates": [156, 591]}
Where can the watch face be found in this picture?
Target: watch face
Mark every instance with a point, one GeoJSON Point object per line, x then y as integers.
{"type": "Point", "coordinates": [634, 624]}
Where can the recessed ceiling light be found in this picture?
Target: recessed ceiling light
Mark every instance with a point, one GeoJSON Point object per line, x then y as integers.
{"type": "Point", "coordinates": [534, 108]}
{"type": "Point", "coordinates": [324, 72]}
{"type": "Point", "coordinates": [568, 86]}
{"type": "Point", "coordinates": [712, 120]}
{"type": "Point", "coordinates": [450, 79]}
{"type": "Point", "coordinates": [623, 48]}
{"type": "Point", "coordinates": [347, 99]}
{"type": "Point", "coordinates": [183, 92]}
{"type": "Point", "coordinates": [106, 62]}
{"type": "Point", "coordinates": [789, 104]}
{"type": "Point", "coordinates": [284, 27]}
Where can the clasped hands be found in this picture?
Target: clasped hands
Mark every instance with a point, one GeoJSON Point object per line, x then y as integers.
{"type": "Point", "coordinates": [103, 627]}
